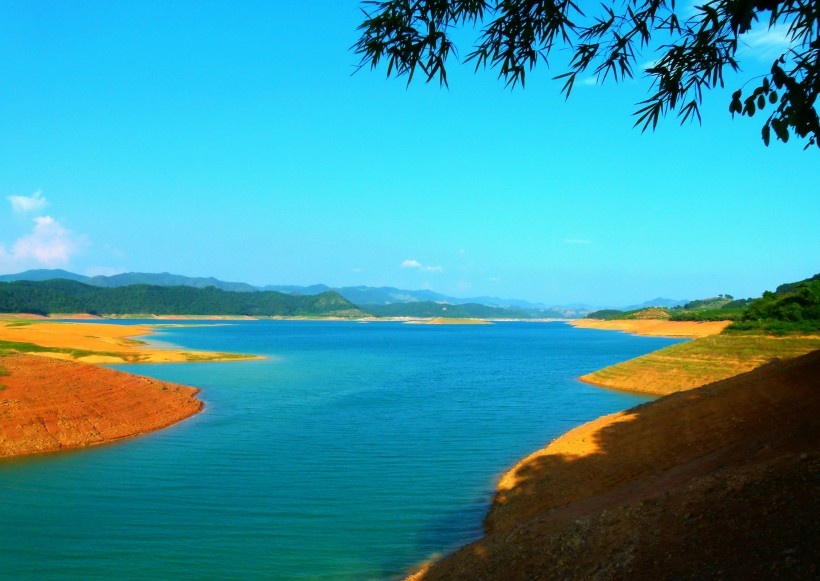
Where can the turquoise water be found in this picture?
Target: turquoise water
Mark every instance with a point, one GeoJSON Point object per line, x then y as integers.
{"type": "Point", "coordinates": [354, 452]}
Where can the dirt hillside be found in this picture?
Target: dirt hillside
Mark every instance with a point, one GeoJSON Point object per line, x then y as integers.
{"type": "Point", "coordinates": [720, 482]}
{"type": "Point", "coordinates": [48, 404]}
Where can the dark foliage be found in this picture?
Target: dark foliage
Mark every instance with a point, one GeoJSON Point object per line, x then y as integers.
{"type": "Point", "coordinates": [791, 287]}
{"type": "Point", "coordinates": [795, 311]}
{"type": "Point", "coordinates": [695, 47]}
{"type": "Point", "coordinates": [605, 314]}
{"type": "Point", "coordinates": [720, 314]}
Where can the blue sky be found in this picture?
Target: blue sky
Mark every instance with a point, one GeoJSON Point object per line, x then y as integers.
{"type": "Point", "coordinates": [232, 140]}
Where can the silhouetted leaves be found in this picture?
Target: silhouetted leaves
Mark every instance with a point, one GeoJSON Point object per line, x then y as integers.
{"type": "Point", "coordinates": [517, 35]}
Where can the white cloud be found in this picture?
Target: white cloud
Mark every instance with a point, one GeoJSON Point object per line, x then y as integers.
{"type": "Point", "coordinates": [48, 244]}
{"type": "Point", "coordinates": [23, 204]}
{"type": "Point", "coordinates": [589, 81]}
{"type": "Point", "coordinates": [577, 241]}
{"type": "Point", "coordinates": [767, 44]}
{"type": "Point", "coordinates": [412, 263]}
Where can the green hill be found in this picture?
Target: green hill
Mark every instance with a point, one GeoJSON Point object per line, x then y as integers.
{"type": "Point", "coordinates": [615, 314]}
{"type": "Point", "coordinates": [792, 308]}
{"type": "Point", "coordinates": [66, 296]}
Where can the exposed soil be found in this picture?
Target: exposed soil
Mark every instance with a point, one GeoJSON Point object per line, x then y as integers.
{"type": "Point", "coordinates": [47, 404]}
{"type": "Point", "coordinates": [104, 342]}
{"type": "Point", "coordinates": [656, 328]}
{"type": "Point", "coordinates": [720, 482]}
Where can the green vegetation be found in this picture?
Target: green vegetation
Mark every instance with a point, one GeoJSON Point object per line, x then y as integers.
{"type": "Point", "coordinates": [605, 314]}
{"type": "Point", "coordinates": [65, 296]}
{"type": "Point", "coordinates": [793, 309]}
{"type": "Point", "coordinates": [791, 287]}
{"type": "Point", "coordinates": [616, 315]}
{"type": "Point", "coordinates": [21, 347]}
{"type": "Point", "coordinates": [719, 308]}
{"type": "Point", "coordinates": [431, 309]}
{"type": "Point", "coordinates": [708, 304]}
{"type": "Point", "coordinates": [3, 373]}
{"type": "Point", "coordinates": [721, 314]}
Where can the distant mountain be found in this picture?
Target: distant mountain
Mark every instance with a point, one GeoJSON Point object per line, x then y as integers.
{"type": "Point", "coordinates": [435, 309]}
{"type": "Point", "coordinates": [166, 279]}
{"type": "Point", "coordinates": [359, 295]}
{"type": "Point", "coordinates": [386, 295]}
{"type": "Point", "coordinates": [43, 274]}
{"type": "Point", "coordinates": [298, 290]}
{"type": "Point", "coordinates": [658, 302]}
{"type": "Point", "coordinates": [68, 296]}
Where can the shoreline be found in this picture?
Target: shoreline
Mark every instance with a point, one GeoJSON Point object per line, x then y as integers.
{"type": "Point", "coordinates": [518, 512]}
{"type": "Point", "coordinates": [98, 343]}
{"type": "Point", "coordinates": [619, 497]}
{"type": "Point", "coordinates": [55, 396]}
{"type": "Point", "coordinates": [654, 327]}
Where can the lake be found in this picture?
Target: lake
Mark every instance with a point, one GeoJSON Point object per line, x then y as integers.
{"type": "Point", "coordinates": [355, 451]}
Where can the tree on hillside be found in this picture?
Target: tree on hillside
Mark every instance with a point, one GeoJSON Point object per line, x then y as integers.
{"type": "Point", "coordinates": [694, 46]}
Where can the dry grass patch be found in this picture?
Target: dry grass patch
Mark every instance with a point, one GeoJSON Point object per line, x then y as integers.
{"type": "Point", "coordinates": [695, 363]}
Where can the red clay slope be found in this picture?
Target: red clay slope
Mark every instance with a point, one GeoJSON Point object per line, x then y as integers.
{"type": "Point", "coordinates": [49, 404]}
{"type": "Point", "coordinates": [720, 482]}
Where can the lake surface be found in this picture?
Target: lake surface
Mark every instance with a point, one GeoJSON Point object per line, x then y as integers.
{"type": "Point", "coordinates": [354, 452]}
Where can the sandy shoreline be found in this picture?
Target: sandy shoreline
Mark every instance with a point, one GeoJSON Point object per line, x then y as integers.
{"type": "Point", "coordinates": [99, 343]}
{"type": "Point", "coordinates": [655, 328]}
{"type": "Point", "coordinates": [53, 396]}
{"type": "Point", "coordinates": [716, 482]}
{"type": "Point", "coordinates": [578, 507]}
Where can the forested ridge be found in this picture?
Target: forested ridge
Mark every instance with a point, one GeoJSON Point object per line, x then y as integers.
{"type": "Point", "coordinates": [66, 296]}
{"type": "Point", "coordinates": [792, 308]}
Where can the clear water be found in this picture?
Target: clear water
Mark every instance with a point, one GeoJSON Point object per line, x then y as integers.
{"type": "Point", "coordinates": [354, 452]}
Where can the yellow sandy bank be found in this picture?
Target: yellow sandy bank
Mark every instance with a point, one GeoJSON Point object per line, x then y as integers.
{"type": "Point", "coordinates": [655, 328]}
{"type": "Point", "coordinates": [97, 343]}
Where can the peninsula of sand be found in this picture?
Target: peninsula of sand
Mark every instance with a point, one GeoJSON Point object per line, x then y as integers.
{"type": "Point", "coordinates": [53, 396]}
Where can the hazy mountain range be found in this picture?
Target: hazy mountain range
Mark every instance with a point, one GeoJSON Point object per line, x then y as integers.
{"type": "Point", "coordinates": [359, 295]}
